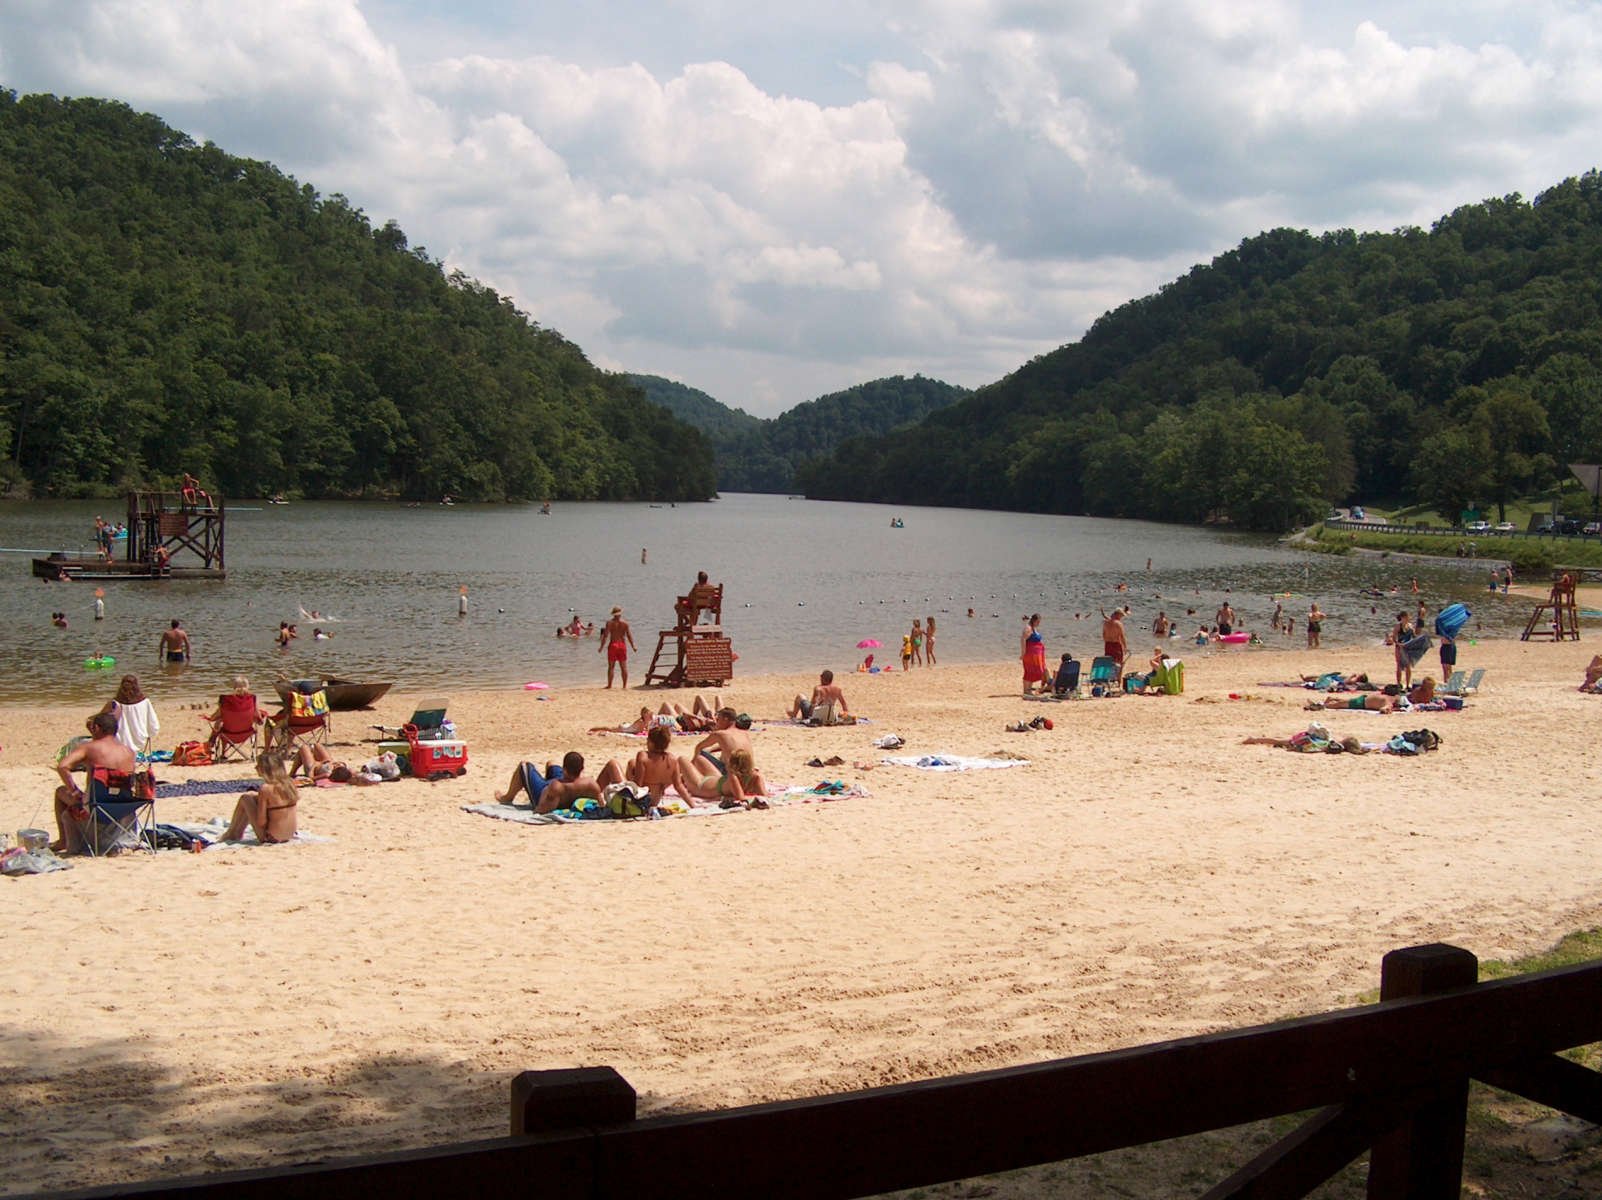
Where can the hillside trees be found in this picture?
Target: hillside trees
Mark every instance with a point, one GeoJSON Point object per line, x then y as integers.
{"type": "Point", "coordinates": [167, 307]}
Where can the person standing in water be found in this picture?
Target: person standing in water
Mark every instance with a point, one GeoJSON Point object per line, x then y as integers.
{"type": "Point", "coordinates": [617, 639]}
{"type": "Point", "coordinates": [174, 646]}
{"type": "Point", "coordinates": [1315, 625]}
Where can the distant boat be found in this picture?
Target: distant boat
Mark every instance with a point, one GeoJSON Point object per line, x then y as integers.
{"type": "Point", "coordinates": [276, 500]}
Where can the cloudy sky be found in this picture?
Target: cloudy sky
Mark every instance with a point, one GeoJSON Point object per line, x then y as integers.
{"type": "Point", "coordinates": [770, 202]}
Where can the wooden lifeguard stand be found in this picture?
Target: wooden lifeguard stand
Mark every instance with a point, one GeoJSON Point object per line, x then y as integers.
{"type": "Point", "coordinates": [701, 655]}
{"type": "Point", "coordinates": [171, 535]}
{"type": "Point", "coordinates": [1564, 622]}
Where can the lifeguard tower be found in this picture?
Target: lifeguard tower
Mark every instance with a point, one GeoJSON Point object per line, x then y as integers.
{"type": "Point", "coordinates": [700, 654]}
{"type": "Point", "coordinates": [1558, 616]}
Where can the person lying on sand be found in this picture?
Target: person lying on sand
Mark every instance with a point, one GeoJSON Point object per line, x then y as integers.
{"type": "Point", "coordinates": [741, 785]}
{"type": "Point", "coordinates": [558, 786]}
{"type": "Point", "coordinates": [1372, 701]}
{"type": "Point", "coordinates": [1304, 741]}
{"type": "Point", "coordinates": [319, 765]}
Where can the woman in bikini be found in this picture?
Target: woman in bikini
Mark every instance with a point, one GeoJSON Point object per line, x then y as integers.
{"type": "Point", "coordinates": [928, 640]}
{"type": "Point", "coordinates": [656, 769]}
{"type": "Point", "coordinates": [741, 786]}
{"type": "Point", "coordinates": [917, 642]}
{"type": "Point", "coordinates": [270, 810]}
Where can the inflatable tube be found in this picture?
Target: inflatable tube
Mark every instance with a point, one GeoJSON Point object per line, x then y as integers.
{"type": "Point", "coordinates": [105, 660]}
{"type": "Point", "coordinates": [535, 687]}
{"type": "Point", "coordinates": [1451, 619]}
{"type": "Point", "coordinates": [1235, 639]}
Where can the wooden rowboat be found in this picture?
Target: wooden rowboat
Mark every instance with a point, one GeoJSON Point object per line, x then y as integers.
{"type": "Point", "coordinates": [344, 695]}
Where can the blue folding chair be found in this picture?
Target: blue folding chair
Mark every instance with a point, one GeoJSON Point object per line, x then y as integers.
{"type": "Point", "coordinates": [119, 818]}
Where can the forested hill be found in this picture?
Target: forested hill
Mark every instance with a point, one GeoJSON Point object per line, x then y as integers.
{"type": "Point", "coordinates": [756, 455]}
{"type": "Point", "coordinates": [1452, 366]}
{"type": "Point", "coordinates": [166, 307]}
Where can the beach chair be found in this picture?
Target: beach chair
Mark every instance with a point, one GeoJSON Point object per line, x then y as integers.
{"type": "Point", "coordinates": [1104, 672]}
{"type": "Point", "coordinates": [1454, 684]}
{"type": "Point", "coordinates": [1065, 685]}
{"type": "Point", "coordinates": [234, 735]}
{"type": "Point", "coordinates": [304, 722]}
{"type": "Point", "coordinates": [1473, 683]}
{"type": "Point", "coordinates": [122, 812]}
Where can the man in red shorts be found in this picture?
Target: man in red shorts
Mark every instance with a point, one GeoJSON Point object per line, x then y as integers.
{"type": "Point", "coordinates": [617, 639]}
{"type": "Point", "coordinates": [1113, 642]}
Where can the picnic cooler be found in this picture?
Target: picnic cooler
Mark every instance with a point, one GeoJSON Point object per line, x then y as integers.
{"type": "Point", "coordinates": [433, 758]}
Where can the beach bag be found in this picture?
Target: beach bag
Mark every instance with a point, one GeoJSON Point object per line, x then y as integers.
{"type": "Point", "coordinates": [191, 754]}
{"type": "Point", "coordinates": [625, 800]}
{"type": "Point", "coordinates": [144, 784]}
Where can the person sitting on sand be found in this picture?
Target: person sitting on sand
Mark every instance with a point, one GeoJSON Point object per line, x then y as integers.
{"type": "Point", "coordinates": [827, 707]}
{"type": "Point", "coordinates": [724, 739]}
{"type": "Point", "coordinates": [559, 786]}
{"type": "Point", "coordinates": [656, 768]}
{"type": "Point", "coordinates": [101, 750]}
{"type": "Point", "coordinates": [1423, 692]}
{"type": "Point", "coordinates": [1593, 675]}
{"type": "Point", "coordinates": [741, 785]}
{"type": "Point", "coordinates": [269, 811]}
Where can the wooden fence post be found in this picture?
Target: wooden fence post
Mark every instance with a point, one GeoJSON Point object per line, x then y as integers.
{"type": "Point", "coordinates": [1423, 1158]}
{"type": "Point", "coordinates": [550, 1101]}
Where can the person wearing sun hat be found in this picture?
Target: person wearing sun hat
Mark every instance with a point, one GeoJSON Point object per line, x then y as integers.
{"type": "Point", "coordinates": [617, 639]}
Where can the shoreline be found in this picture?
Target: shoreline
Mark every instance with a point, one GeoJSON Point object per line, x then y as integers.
{"type": "Point", "coordinates": [1145, 876]}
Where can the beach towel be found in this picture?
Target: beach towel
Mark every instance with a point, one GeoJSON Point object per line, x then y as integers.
{"type": "Point", "coordinates": [1451, 619]}
{"type": "Point", "coordinates": [211, 831]}
{"type": "Point", "coordinates": [957, 762]}
{"type": "Point", "coordinates": [672, 806]}
{"type": "Point", "coordinates": [206, 787]}
{"type": "Point", "coordinates": [1417, 648]}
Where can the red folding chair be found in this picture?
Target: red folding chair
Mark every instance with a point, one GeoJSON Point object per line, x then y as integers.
{"type": "Point", "coordinates": [233, 734]}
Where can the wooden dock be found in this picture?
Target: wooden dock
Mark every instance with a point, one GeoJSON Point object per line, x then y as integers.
{"type": "Point", "coordinates": [171, 535]}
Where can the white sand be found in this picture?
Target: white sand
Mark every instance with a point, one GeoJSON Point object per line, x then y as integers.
{"type": "Point", "coordinates": [1146, 877]}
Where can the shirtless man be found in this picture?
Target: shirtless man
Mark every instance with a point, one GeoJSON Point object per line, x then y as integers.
{"type": "Point", "coordinates": [1113, 641]}
{"type": "Point", "coordinates": [559, 786]}
{"type": "Point", "coordinates": [617, 639]}
{"type": "Point", "coordinates": [174, 647]}
{"type": "Point", "coordinates": [1225, 619]}
{"type": "Point", "coordinates": [695, 600]}
{"type": "Point", "coordinates": [724, 739]}
{"type": "Point", "coordinates": [827, 707]}
{"type": "Point", "coordinates": [102, 750]}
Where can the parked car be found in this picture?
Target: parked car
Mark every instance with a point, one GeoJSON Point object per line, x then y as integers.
{"type": "Point", "coordinates": [1505, 527]}
{"type": "Point", "coordinates": [1478, 527]}
{"type": "Point", "coordinates": [1592, 528]}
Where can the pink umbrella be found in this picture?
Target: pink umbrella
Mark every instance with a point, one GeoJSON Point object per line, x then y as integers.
{"type": "Point", "coordinates": [869, 644]}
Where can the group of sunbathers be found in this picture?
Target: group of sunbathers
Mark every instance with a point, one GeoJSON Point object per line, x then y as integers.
{"type": "Point", "coordinates": [721, 768]}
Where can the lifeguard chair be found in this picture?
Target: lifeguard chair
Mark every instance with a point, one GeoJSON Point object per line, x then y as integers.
{"type": "Point", "coordinates": [1563, 623]}
{"type": "Point", "coordinates": [701, 655]}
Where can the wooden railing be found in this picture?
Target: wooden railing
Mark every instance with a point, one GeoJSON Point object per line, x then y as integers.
{"type": "Point", "coordinates": [1391, 1078]}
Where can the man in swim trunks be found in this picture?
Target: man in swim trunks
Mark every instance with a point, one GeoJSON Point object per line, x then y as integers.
{"type": "Point", "coordinates": [723, 741]}
{"type": "Point", "coordinates": [174, 646]}
{"type": "Point", "coordinates": [557, 788]}
{"type": "Point", "coordinates": [102, 750]}
{"type": "Point", "coordinates": [1113, 640]}
{"type": "Point", "coordinates": [828, 704]}
{"type": "Point", "coordinates": [617, 639]}
{"type": "Point", "coordinates": [1225, 619]}
{"type": "Point", "coordinates": [1372, 701]}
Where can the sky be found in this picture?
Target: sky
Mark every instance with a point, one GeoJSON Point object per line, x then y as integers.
{"type": "Point", "coordinates": [771, 203]}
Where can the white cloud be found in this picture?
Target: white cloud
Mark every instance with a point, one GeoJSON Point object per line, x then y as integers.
{"type": "Point", "coordinates": [949, 187]}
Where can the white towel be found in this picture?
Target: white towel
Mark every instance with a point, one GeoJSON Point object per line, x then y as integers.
{"type": "Point", "coordinates": [137, 725]}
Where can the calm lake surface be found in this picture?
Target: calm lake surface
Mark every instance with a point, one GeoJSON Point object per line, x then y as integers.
{"type": "Point", "coordinates": [804, 582]}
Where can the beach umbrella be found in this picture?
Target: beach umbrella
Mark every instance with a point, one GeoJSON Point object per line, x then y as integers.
{"type": "Point", "coordinates": [869, 644]}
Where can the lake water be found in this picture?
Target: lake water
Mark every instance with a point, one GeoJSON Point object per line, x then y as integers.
{"type": "Point", "coordinates": [804, 582]}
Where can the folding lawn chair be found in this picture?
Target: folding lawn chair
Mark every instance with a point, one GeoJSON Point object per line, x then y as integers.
{"type": "Point", "coordinates": [235, 733]}
{"type": "Point", "coordinates": [120, 818]}
{"type": "Point", "coordinates": [305, 722]}
{"type": "Point", "coordinates": [1105, 674]}
{"type": "Point", "coordinates": [1473, 684]}
{"type": "Point", "coordinates": [1454, 684]}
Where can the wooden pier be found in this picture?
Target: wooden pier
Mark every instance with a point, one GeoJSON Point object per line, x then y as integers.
{"type": "Point", "coordinates": [171, 535]}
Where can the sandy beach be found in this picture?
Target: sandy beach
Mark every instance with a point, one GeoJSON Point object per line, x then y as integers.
{"type": "Point", "coordinates": [1145, 876]}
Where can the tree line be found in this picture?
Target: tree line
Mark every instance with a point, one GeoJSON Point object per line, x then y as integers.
{"type": "Point", "coordinates": [167, 307]}
{"type": "Point", "coordinates": [757, 455]}
{"type": "Point", "coordinates": [1454, 367]}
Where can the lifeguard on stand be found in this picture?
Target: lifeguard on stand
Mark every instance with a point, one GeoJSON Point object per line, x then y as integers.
{"type": "Point", "coordinates": [192, 494]}
{"type": "Point", "coordinates": [703, 656]}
